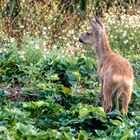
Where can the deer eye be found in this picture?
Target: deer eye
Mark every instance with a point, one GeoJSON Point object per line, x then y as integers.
{"type": "Point", "coordinates": [89, 33]}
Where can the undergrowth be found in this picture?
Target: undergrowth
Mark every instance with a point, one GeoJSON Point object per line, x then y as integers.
{"type": "Point", "coordinates": [53, 97]}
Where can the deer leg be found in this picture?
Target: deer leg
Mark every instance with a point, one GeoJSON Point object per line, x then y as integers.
{"type": "Point", "coordinates": [117, 95]}
{"type": "Point", "coordinates": [126, 100]}
{"type": "Point", "coordinates": [107, 93]}
{"type": "Point", "coordinates": [102, 96]}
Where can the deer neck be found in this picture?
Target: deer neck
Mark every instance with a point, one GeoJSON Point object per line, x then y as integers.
{"type": "Point", "coordinates": [102, 47]}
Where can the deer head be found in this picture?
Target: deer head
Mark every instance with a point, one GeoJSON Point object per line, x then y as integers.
{"type": "Point", "coordinates": [94, 35]}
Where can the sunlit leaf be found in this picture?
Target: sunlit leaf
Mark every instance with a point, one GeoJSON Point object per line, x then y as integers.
{"type": "Point", "coordinates": [66, 90]}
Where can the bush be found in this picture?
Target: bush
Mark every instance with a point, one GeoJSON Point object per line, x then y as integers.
{"type": "Point", "coordinates": [58, 98]}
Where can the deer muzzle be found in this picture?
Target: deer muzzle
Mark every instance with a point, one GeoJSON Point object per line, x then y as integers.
{"type": "Point", "coordinates": [81, 41]}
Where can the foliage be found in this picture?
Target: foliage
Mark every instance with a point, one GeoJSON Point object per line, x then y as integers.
{"type": "Point", "coordinates": [124, 35]}
{"type": "Point", "coordinates": [52, 97]}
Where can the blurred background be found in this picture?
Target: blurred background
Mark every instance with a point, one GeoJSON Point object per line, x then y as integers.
{"type": "Point", "coordinates": [57, 24]}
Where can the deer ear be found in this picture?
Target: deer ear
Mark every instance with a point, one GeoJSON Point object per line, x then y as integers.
{"type": "Point", "coordinates": [92, 22]}
{"type": "Point", "coordinates": [99, 22]}
{"type": "Point", "coordinates": [96, 27]}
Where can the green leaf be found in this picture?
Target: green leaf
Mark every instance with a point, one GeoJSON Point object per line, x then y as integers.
{"type": "Point", "coordinates": [101, 133]}
{"type": "Point", "coordinates": [66, 136]}
{"type": "Point", "coordinates": [116, 122]}
{"type": "Point", "coordinates": [33, 104]}
{"type": "Point", "coordinates": [42, 86]}
{"type": "Point", "coordinates": [100, 111]}
{"type": "Point", "coordinates": [66, 90]}
{"type": "Point", "coordinates": [127, 135]}
{"type": "Point", "coordinates": [84, 110]}
{"type": "Point", "coordinates": [53, 78]}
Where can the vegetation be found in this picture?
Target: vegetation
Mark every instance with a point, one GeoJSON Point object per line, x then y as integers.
{"type": "Point", "coordinates": [49, 88]}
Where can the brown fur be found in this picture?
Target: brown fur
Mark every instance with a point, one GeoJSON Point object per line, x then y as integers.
{"type": "Point", "coordinates": [115, 72]}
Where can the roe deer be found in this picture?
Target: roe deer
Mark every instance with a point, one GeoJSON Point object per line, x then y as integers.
{"type": "Point", "coordinates": [115, 72]}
